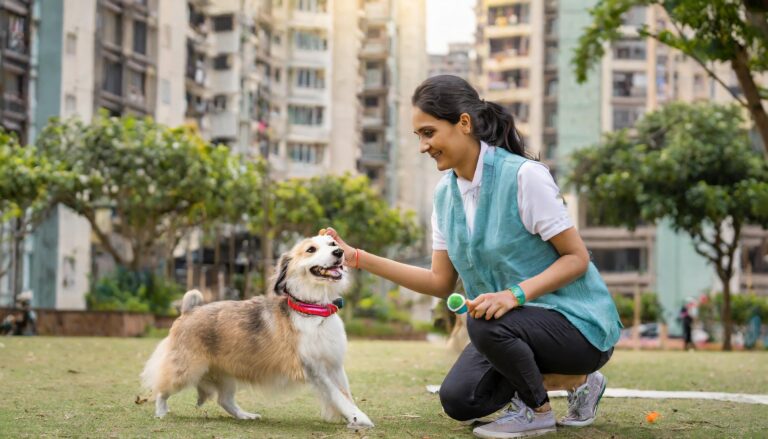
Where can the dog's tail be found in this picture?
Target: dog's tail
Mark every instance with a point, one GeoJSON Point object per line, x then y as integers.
{"type": "Point", "coordinates": [152, 370]}
{"type": "Point", "coordinates": [192, 299]}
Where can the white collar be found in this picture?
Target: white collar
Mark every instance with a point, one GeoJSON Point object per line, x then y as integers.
{"type": "Point", "coordinates": [465, 185]}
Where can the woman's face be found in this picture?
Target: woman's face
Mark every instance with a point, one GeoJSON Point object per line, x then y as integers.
{"type": "Point", "coordinates": [445, 142]}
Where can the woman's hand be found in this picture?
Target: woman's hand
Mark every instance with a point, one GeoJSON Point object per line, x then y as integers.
{"type": "Point", "coordinates": [491, 305]}
{"type": "Point", "coordinates": [349, 251]}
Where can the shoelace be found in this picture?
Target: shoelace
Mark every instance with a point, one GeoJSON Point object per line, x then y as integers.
{"type": "Point", "coordinates": [518, 410]}
{"type": "Point", "coordinates": [576, 400]}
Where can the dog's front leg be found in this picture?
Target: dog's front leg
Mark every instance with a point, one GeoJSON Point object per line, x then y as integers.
{"type": "Point", "coordinates": [338, 397]}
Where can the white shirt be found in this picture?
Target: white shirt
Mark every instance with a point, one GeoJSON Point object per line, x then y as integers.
{"type": "Point", "coordinates": [541, 208]}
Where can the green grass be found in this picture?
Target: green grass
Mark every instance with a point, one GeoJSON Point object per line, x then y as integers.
{"type": "Point", "coordinates": [76, 387]}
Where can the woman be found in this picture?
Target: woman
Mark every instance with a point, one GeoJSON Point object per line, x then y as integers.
{"type": "Point", "coordinates": [540, 316]}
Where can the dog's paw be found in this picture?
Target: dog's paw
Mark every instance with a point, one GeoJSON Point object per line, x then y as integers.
{"type": "Point", "coordinates": [248, 416]}
{"type": "Point", "coordinates": [359, 421]}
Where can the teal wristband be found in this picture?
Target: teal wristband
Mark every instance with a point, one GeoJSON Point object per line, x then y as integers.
{"type": "Point", "coordinates": [518, 293]}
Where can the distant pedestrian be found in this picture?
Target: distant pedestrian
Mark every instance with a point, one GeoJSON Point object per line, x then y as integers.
{"type": "Point", "coordinates": [687, 321]}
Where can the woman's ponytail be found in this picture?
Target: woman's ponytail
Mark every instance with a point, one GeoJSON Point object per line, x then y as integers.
{"type": "Point", "coordinates": [447, 97]}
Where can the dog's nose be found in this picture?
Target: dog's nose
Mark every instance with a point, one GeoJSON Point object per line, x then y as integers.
{"type": "Point", "coordinates": [338, 252]}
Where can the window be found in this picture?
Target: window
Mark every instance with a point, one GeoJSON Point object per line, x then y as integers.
{"type": "Point", "coordinates": [310, 5]}
{"type": "Point", "coordinates": [509, 14]}
{"type": "Point", "coordinates": [629, 84]}
{"type": "Point", "coordinates": [551, 88]}
{"type": "Point", "coordinates": [310, 153]}
{"type": "Point", "coordinates": [70, 105]}
{"type": "Point", "coordinates": [756, 258]}
{"type": "Point", "coordinates": [165, 91]}
{"type": "Point", "coordinates": [310, 40]}
{"type": "Point", "coordinates": [510, 46]}
{"type": "Point", "coordinates": [309, 78]}
{"type": "Point", "coordinates": [221, 62]}
{"type": "Point", "coordinates": [550, 27]}
{"type": "Point", "coordinates": [136, 83]}
{"type": "Point", "coordinates": [113, 77]}
{"type": "Point", "coordinates": [508, 79]}
{"type": "Point", "coordinates": [370, 137]}
{"type": "Point", "coordinates": [371, 102]}
{"type": "Point", "coordinates": [305, 115]}
{"type": "Point", "coordinates": [223, 23]}
{"type": "Point", "coordinates": [112, 28]}
{"type": "Point", "coordinates": [70, 44]}
{"type": "Point", "coordinates": [519, 111]}
{"type": "Point", "coordinates": [550, 116]}
{"type": "Point", "coordinates": [219, 103]}
{"type": "Point", "coordinates": [16, 40]}
{"type": "Point", "coordinates": [373, 33]}
{"type": "Point", "coordinates": [140, 37]}
{"type": "Point", "coordinates": [620, 260]}
{"type": "Point", "coordinates": [629, 48]}
{"type": "Point", "coordinates": [550, 55]}
{"type": "Point", "coordinates": [625, 117]}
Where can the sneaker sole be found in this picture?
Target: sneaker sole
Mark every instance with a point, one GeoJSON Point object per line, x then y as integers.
{"type": "Point", "coordinates": [502, 435]}
{"type": "Point", "coordinates": [589, 421]}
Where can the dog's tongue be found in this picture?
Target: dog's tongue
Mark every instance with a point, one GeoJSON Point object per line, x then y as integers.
{"type": "Point", "coordinates": [334, 271]}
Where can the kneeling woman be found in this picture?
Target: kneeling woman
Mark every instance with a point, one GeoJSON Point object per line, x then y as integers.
{"type": "Point", "coordinates": [541, 317]}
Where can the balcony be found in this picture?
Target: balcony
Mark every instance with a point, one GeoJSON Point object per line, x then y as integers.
{"type": "Point", "coordinates": [14, 106]}
{"type": "Point", "coordinates": [374, 153]}
{"type": "Point", "coordinates": [375, 48]}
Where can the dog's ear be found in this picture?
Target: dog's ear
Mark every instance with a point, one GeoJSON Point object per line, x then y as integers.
{"type": "Point", "coordinates": [282, 274]}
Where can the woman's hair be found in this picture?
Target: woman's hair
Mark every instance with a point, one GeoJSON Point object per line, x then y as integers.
{"type": "Point", "coordinates": [447, 97]}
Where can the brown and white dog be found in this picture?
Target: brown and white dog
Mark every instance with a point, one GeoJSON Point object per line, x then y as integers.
{"type": "Point", "coordinates": [268, 340]}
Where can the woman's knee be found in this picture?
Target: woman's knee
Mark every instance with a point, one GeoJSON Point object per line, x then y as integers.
{"type": "Point", "coordinates": [456, 402]}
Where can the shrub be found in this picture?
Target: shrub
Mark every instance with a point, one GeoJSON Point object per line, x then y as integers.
{"type": "Point", "coordinates": [124, 290]}
{"type": "Point", "coordinates": [649, 307]}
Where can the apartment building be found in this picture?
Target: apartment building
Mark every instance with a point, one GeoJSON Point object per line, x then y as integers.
{"type": "Point", "coordinates": [456, 62]}
{"type": "Point", "coordinates": [15, 60]}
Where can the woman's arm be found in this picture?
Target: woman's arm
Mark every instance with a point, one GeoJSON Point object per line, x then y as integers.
{"type": "Point", "coordinates": [439, 281]}
{"type": "Point", "coordinates": [572, 263]}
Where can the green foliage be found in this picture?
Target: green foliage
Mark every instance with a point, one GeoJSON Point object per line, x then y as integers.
{"type": "Point", "coordinates": [383, 309]}
{"type": "Point", "coordinates": [649, 308]}
{"type": "Point", "coordinates": [125, 290]}
{"type": "Point", "coordinates": [346, 202]}
{"type": "Point", "coordinates": [690, 163]}
{"type": "Point", "coordinates": [158, 181]}
{"type": "Point", "coordinates": [743, 307]}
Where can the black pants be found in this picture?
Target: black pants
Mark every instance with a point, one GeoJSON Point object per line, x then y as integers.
{"type": "Point", "coordinates": [509, 355]}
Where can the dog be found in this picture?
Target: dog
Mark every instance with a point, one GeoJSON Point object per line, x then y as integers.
{"type": "Point", "coordinates": [292, 334]}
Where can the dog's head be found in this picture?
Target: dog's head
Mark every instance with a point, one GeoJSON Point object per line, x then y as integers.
{"type": "Point", "coordinates": [312, 271]}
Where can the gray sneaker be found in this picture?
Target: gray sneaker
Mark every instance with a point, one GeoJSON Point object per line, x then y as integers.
{"type": "Point", "coordinates": [519, 421]}
{"type": "Point", "coordinates": [582, 403]}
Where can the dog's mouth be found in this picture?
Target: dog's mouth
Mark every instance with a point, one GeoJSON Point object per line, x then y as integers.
{"type": "Point", "coordinates": [334, 272]}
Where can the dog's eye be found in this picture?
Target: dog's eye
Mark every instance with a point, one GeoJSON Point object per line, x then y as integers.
{"type": "Point", "coordinates": [311, 250]}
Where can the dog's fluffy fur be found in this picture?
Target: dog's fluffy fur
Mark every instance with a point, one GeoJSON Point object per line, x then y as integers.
{"type": "Point", "coordinates": [262, 341]}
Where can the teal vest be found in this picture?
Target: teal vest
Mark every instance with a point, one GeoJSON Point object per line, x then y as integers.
{"type": "Point", "coordinates": [501, 252]}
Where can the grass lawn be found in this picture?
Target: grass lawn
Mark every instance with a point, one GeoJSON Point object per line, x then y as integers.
{"type": "Point", "coordinates": [86, 387]}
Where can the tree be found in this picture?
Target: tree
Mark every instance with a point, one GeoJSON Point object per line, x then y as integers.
{"type": "Point", "coordinates": [734, 32]}
{"type": "Point", "coordinates": [348, 203]}
{"type": "Point", "coordinates": [690, 164]}
{"type": "Point", "coordinates": [27, 181]}
{"type": "Point", "coordinates": [158, 183]}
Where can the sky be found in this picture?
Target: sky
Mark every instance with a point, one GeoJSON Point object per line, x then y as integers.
{"type": "Point", "coordinates": [449, 21]}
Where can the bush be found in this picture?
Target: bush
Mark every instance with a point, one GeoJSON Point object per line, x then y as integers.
{"type": "Point", "coordinates": [125, 290]}
{"type": "Point", "coordinates": [649, 308]}
{"type": "Point", "coordinates": [743, 307]}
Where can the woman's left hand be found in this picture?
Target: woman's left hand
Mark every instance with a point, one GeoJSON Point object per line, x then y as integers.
{"type": "Point", "coordinates": [491, 305]}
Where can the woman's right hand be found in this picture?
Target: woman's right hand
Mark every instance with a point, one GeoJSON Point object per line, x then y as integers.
{"type": "Point", "coordinates": [349, 251]}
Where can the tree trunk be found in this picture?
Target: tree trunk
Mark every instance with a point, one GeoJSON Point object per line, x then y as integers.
{"type": "Point", "coordinates": [232, 266]}
{"type": "Point", "coordinates": [17, 259]}
{"type": "Point", "coordinates": [740, 66]}
{"type": "Point", "coordinates": [190, 264]}
{"type": "Point", "coordinates": [727, 327]}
